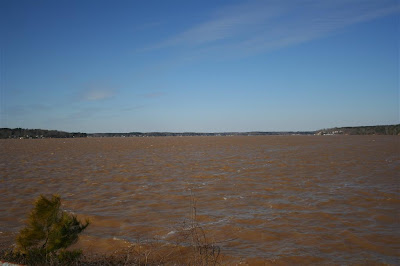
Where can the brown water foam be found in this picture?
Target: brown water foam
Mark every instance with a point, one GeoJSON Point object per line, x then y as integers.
{"type": "Point", "coordinates": [310, 199]}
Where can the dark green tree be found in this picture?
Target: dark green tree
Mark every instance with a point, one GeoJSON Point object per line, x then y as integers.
{"type": "Point", "coordinates": [50, 231]}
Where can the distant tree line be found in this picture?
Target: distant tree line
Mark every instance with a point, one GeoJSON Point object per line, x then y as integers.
{"type": "Point", "coordinates": [365, 130]}
{"type": "Point", "coordinates": [186, 134]}
{"type": "Point", "coordinates": [21, 133]}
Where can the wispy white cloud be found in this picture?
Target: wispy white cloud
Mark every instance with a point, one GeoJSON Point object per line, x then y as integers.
{"type": "Point", "coordinates": [260, 26]}
{"type": "Point", "coordinates": [224, 24]}
{"type": "Point", "coordinates": [96, 91]}
{"type": "Point", "coordinates": [98, 94]}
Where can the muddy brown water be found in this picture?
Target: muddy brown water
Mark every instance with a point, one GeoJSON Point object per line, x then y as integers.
{"type": "Point", "coordinates": [307, 199]}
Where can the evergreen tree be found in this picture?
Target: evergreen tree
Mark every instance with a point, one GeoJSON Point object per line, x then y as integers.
{"type": "Point", "coordinates": [49, 231]}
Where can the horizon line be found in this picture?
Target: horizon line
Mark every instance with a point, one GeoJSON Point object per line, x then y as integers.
{"type": "Point", "coordinates": [210, 132]}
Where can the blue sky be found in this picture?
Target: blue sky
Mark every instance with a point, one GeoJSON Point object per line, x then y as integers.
{"type": "Point", "coordinates": [205, 66]}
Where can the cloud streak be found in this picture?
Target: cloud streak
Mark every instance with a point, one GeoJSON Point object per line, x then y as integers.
{"type": "Point", "coordinates": [258, 27]}
{"type": "Point", "coordinates": [98, 94]}
{"type": "Point", "coordinates": [20, 110]}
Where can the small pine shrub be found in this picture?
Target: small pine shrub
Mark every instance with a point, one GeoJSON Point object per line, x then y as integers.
{"type": "Point", "coordinates": [49, 232]}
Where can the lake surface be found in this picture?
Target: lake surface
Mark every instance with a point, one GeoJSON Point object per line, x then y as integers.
{"type": "Point", "coordinates": [304, 199]}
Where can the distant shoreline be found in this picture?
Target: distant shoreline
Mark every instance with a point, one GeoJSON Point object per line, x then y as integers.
{"type": "Point", "coordinates": [20, 133]}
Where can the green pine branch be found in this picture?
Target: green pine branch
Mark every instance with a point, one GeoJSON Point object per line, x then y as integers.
{"type": "Point", "coordinates": [49, 231]}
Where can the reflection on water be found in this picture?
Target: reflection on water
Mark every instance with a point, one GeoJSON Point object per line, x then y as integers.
{"type": "Point", "coordinates": [281, 198]}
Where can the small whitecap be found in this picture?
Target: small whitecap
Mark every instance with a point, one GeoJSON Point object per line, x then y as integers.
{"type": "Point", "coordinates": [169, 234]}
